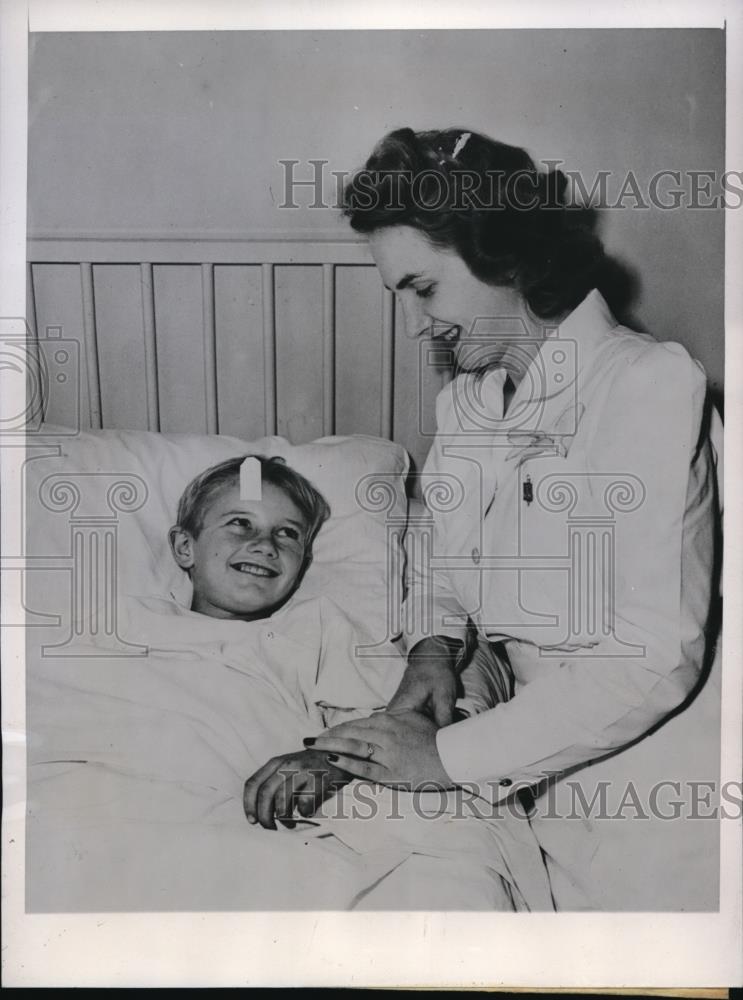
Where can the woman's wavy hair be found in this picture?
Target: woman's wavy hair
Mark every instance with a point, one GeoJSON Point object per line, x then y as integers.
{"type": "Point", "coordinates": [487, 201]}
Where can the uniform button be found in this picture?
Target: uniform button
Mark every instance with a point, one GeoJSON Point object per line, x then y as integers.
{"type": "Point", "coordinates": [505, 782]}
{"type": "Point", "coordinates": [269, 635]}
{"type": "Point", "coordinates": [475, 556]}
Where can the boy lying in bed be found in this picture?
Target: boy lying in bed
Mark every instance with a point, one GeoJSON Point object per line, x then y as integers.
{"type": "Point", "coordinates": [244, 536]}
{"type": "Point", "coordinates": [137, 766]}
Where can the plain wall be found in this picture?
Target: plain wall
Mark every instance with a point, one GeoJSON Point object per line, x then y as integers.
{"type": "Point", "coordinates": [174, 132]}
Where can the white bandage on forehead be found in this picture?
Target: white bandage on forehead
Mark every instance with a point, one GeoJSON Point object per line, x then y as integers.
{"type": "Point", "coordinates": [250, 479]}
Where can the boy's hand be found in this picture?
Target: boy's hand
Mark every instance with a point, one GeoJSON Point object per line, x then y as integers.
{"type": "Point", "coordinates": [301, 780]}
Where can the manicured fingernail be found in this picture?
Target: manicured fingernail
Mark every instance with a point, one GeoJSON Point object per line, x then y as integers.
{"type": "Point", "coordinates": [251, 819]}
{"type": "Point", "coordinates": [332, 758]}
{"type": "Point", "coordinates": [309, 741]}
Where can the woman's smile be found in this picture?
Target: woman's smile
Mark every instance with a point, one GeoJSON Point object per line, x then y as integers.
{"type": "Point", "coordinates": [442, 300]}
{"type": "Point", "coordinates": [450, 334]}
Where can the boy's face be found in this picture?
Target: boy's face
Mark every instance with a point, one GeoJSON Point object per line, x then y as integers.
{"type": "Point", "coordinates": [248, 555]}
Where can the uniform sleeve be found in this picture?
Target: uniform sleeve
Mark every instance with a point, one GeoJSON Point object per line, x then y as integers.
{"type": "Point", "coordinates": [580, 708]}
{"type": "Point", "coordinates": [431, 606]}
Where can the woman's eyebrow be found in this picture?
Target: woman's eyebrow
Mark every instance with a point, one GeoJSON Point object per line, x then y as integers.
{"type": "Point", "coordinates": [403, 282]}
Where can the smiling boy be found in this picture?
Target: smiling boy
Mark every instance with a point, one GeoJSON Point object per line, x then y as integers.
{"type": "Point", "coordinates": [245, 553]}
{"type": "Point", "coordinates": [246, 556]}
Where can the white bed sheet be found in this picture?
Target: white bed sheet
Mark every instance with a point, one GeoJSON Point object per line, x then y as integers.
{"type": "Point", "coordinates": [136, 771]}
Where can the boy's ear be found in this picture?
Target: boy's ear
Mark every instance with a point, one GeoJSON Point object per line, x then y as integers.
{"type": "Point", "coordinates": [306, 562]}
{"type": "Point", "coordinates": [181, 545]}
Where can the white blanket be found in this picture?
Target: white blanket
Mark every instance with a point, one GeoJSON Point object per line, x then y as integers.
{"type": "Point", "coordinates": [137, 766]}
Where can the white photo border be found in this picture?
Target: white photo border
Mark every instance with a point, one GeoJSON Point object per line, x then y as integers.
{"type": "Point", "coordinates": [342, 949]}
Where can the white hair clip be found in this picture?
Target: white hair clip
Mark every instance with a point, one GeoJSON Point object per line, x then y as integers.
{"type": "Point", "coordinates": [460, 144]}
{"type": "Point", "coordinates": [250, 479]}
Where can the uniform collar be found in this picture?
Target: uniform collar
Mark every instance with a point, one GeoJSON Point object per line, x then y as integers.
{"type": "Point", "coordinates": [547, 397]}
{"type": "Point", "coordinates": [565, 354]}
{"type": "Point", "coordinates": [590, 321]}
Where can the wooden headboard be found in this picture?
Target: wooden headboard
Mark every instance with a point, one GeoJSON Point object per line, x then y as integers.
{"type": "Point", "coordinates": [240, 335]}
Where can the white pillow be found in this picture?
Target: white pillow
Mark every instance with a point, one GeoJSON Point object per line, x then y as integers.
{"type": "Point", "coordinates": [356, 555]}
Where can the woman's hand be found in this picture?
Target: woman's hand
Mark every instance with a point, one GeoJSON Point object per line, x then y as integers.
{"type": "Point", "coordinates": [430, 682]}
{"type": "Point", "coordinates": [301, 780]}
{"type": "Point", "coordinates": [395, 749]}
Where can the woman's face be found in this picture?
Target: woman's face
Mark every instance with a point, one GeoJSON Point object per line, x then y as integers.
{"type": "Point", "coordinates": [486, 325]}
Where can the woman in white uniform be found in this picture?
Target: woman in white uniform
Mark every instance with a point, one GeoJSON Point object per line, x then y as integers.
{"type": "Point", "coordinates": [572, 486]}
